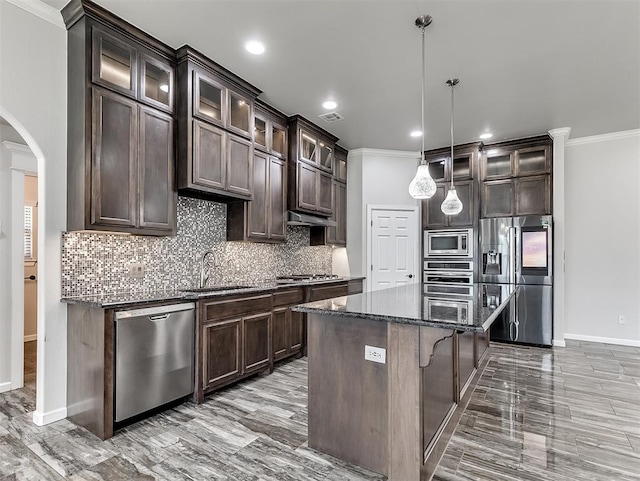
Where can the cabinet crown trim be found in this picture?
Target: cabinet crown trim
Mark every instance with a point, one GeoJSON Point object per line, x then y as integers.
{"type": "Point", "coordinates": [188, 53]}
{"type": "Point", "coordinates": [270, 110]}
{"type": "Point", "coordinates": [307, 124]}
{"type": "Point", "coordinates": [544, 139]}
{"type": "Point", "coordinates": [76, 9]}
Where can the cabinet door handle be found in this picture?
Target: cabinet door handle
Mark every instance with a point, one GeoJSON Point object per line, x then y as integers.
{"type": "Point", "coordinates": [410, 276]}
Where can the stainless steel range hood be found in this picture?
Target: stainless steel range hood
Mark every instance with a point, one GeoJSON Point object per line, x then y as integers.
{"type": "Point", "coordinates": [295, 218]}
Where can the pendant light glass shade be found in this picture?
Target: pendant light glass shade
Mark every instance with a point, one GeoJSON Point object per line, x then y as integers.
{"type": "Point", "coordinates": [451, 205]}
{"type": "Point", "coordinates": [422, 186]}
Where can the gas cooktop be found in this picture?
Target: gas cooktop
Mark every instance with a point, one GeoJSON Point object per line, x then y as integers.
{"type": "Point", "coordinates": [307, 278]}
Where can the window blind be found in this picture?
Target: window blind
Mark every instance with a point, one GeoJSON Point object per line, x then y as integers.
{"type": "Point", "coordinates": [28, 232]}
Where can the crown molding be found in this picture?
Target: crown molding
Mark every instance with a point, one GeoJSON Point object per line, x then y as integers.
{"type": "Point", "coordinates": [593, 139]}
{"type": "Point", "coordinates": [561, 132]}
{"type": "Point", "coordinates": [40, 9]}
{"type": "Point", "coordinates": [394, 154]}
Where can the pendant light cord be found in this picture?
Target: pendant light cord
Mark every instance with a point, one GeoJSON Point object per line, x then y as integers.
{"type": "Point", "coordinates": [452, 85]}
{"type": "Point", "coordinates": [422, 160]}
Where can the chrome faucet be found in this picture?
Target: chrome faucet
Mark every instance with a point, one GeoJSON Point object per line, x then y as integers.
{"type": "Point", "coordinates": [205, 277]}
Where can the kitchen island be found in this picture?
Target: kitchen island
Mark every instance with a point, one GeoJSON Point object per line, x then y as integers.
{"type": "Point", "coordinates": [391, 371]}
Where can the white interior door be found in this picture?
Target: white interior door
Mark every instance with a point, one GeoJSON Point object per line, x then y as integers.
{"type": "Point", "coordinates": [394, 245]}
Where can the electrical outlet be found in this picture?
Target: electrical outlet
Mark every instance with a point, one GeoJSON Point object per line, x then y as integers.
{"type": "Point", "coordinates": [136, 269]}
{"type": "Point", "coordinates": [622, 319]}
{"type": "Point", "coordinates": [375, 354]}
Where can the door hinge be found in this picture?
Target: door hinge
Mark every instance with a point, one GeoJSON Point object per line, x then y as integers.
{"type": "Point", "coordinates": [371, 267]}
{"type": "Point", "coordinates": [372, 223]}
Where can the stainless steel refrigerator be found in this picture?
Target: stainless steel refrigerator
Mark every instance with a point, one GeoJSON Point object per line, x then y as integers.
{"type": "Point", "coordinates": [519, 250]}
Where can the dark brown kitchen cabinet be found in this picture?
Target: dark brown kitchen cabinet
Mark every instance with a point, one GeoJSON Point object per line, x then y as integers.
{"type": "Point", "coordinates": [287, 327]}
{"type": "Point", "coordinates": [256, 353]}
{"type": "Point", "coordinates": [533, 195]}
{"type": "Point", "coordinates": [270, 132]}
{"type": "Point", "coordinates": [263, 219]}
{"type": "Point", "coordinates": [156, 171]}
{"type": "Point", "coordinates": [466, 158]}
{"type": "Point", "coordinates": [131, 167]}
{"type": "Point", "coordinates": [121, 146]}
{"type": "Point", "coordinates": [222, 352]}
{"type": "Point", "coordinates": [312, 192]}
{"type": "Point", "coordinates": [333, 236]}
{"type": "Point", "coordinates": [114, 160]}
{"type": "Point", "coordinates": [340, 164]}
{"type": "Point", "coordinates": [131, 69]}
{"type": "Point", "coordinates": [311, 167]}
{"type": "Point", "coordinates": [517, 158]}
{"type": "Point", "coordinates": [235, 340]}
{"type": "Point", "coordinates": [434, 218]}
{"type": "Point", "coordinates": [215, 130]}
{"type": "Point", "coordinates": [497, 198]}
{"type": "Point", "coordinates": [517, 178]}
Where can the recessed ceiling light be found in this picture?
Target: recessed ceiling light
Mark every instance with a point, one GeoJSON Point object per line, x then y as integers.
{"type": "Point", "coordinates": [254, 47]}
{"type": "Point", "coordinates": [416, 133]}
{"type": "Point", "coordinates": [486, 135]}
{"type": "Point", "coordinates": [329, 104]}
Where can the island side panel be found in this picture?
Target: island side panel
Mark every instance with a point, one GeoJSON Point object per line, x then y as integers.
{"type": "Point", "coordinates": [348, 397]}
{"type": "Point", "coordinates": [404, 446]}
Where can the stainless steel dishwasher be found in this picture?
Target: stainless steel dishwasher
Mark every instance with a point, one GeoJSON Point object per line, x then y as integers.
{"type": "Point", "coordinates": [154, 357]}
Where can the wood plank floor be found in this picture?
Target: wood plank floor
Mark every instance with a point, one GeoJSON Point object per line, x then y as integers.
{"type": "Point", "coordinates": [561, 414]}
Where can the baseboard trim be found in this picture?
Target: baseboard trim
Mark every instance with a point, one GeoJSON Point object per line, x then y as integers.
{"type": "Point", "coordinates": [31, 337]}
{"type": "Point", "coordinates": [5, 386]}
{"type": "Point", "coordinates": [605, 340]}
{"type": "Point", "coordinates": [559, 343]}
{"type": "Point", "coordinates": [40, 419]}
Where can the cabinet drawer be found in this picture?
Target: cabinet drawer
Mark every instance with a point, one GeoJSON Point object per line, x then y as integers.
{"type": "Point", "coordinates": [288, 297]}
{"type": "Point", "coordinates": [327, 292]}
{"type": "Point", "coordinates": [236, 306]}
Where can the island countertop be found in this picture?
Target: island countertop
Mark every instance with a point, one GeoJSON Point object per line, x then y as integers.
{"type": "Point", "coordinates": [408, 305]}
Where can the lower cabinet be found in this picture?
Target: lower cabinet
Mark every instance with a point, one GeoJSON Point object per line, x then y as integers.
{"type": "Point", "coordinates": [240, 335]}
{"type": "Point", "coordinates": [287, 326]}
{"type": "Point", "coordinates": [235, 340]}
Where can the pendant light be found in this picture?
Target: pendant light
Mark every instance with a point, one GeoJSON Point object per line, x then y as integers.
{"type": "Point", "coordinates": [422, 186]}
{"type": "Point", "coordinates": [452, 204]}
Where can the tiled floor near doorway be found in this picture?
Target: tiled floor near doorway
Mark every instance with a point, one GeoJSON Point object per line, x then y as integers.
{"type": "Point", "coordinates": [537, 414]}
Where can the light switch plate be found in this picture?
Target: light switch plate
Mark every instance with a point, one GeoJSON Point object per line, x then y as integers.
{"type": "Point", "coordinates": [375, 354]}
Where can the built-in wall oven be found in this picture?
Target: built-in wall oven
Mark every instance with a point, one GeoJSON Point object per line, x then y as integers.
{"type": "Point", "coordinates": [448, 282]}
{"type": "Point", "coordinates": [448, 243]}
{"type": "Point", "coordinates": [448, 262]}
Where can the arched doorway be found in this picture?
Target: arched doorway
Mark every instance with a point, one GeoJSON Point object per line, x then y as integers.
{"type": "Point", "coordinates": [21, 158]}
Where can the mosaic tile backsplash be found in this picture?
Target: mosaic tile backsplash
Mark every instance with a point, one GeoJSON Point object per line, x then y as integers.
{"type": "Point", "coordinates": [99, 263]}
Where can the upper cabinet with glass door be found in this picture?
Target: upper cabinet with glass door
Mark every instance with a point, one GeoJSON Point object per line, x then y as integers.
{"type": "Point", "coordinates": [465, 158]}
{"type": "Point", "coordinates": [124, 66]}
{"type": "Point", "coordinates": [519, 158]}
{"type": "Point", "coordinates": [311, 144]}
{"type": "Point", "coordinates": [269, 131]}
{"type": "Point", "coordinates": [220, 97]}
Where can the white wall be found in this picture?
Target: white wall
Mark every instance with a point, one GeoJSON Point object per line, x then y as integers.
{"type": "Point", "coordinates": [33, 99]}
{"type": "Point", "coordinates": [602, 242]}
{"type": "Point", "coordinates": [375, 177]}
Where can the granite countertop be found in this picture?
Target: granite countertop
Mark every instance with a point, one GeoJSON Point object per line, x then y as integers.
{"type": "Point", "coordinates": [115, 300]}
{"type": "Point", "coordinates": [408, 305]}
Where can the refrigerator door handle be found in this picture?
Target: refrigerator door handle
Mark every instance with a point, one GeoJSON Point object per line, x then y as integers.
{"type": "Point", "coordinates": [512, 255]}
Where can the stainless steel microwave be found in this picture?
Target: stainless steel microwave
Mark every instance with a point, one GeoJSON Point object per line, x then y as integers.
{"type": "Point", "coordinates": [448, 243]}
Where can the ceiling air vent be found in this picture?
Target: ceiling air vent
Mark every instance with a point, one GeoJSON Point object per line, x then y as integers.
{"type": "Point", "coordinates": [331, 117]}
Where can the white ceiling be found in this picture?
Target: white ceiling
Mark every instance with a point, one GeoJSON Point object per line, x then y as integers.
{"type": "Point", "coordinates": [525, 66]}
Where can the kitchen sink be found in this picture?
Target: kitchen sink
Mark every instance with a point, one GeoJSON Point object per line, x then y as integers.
{"type": "Point", "coordinates": [213, 289]}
